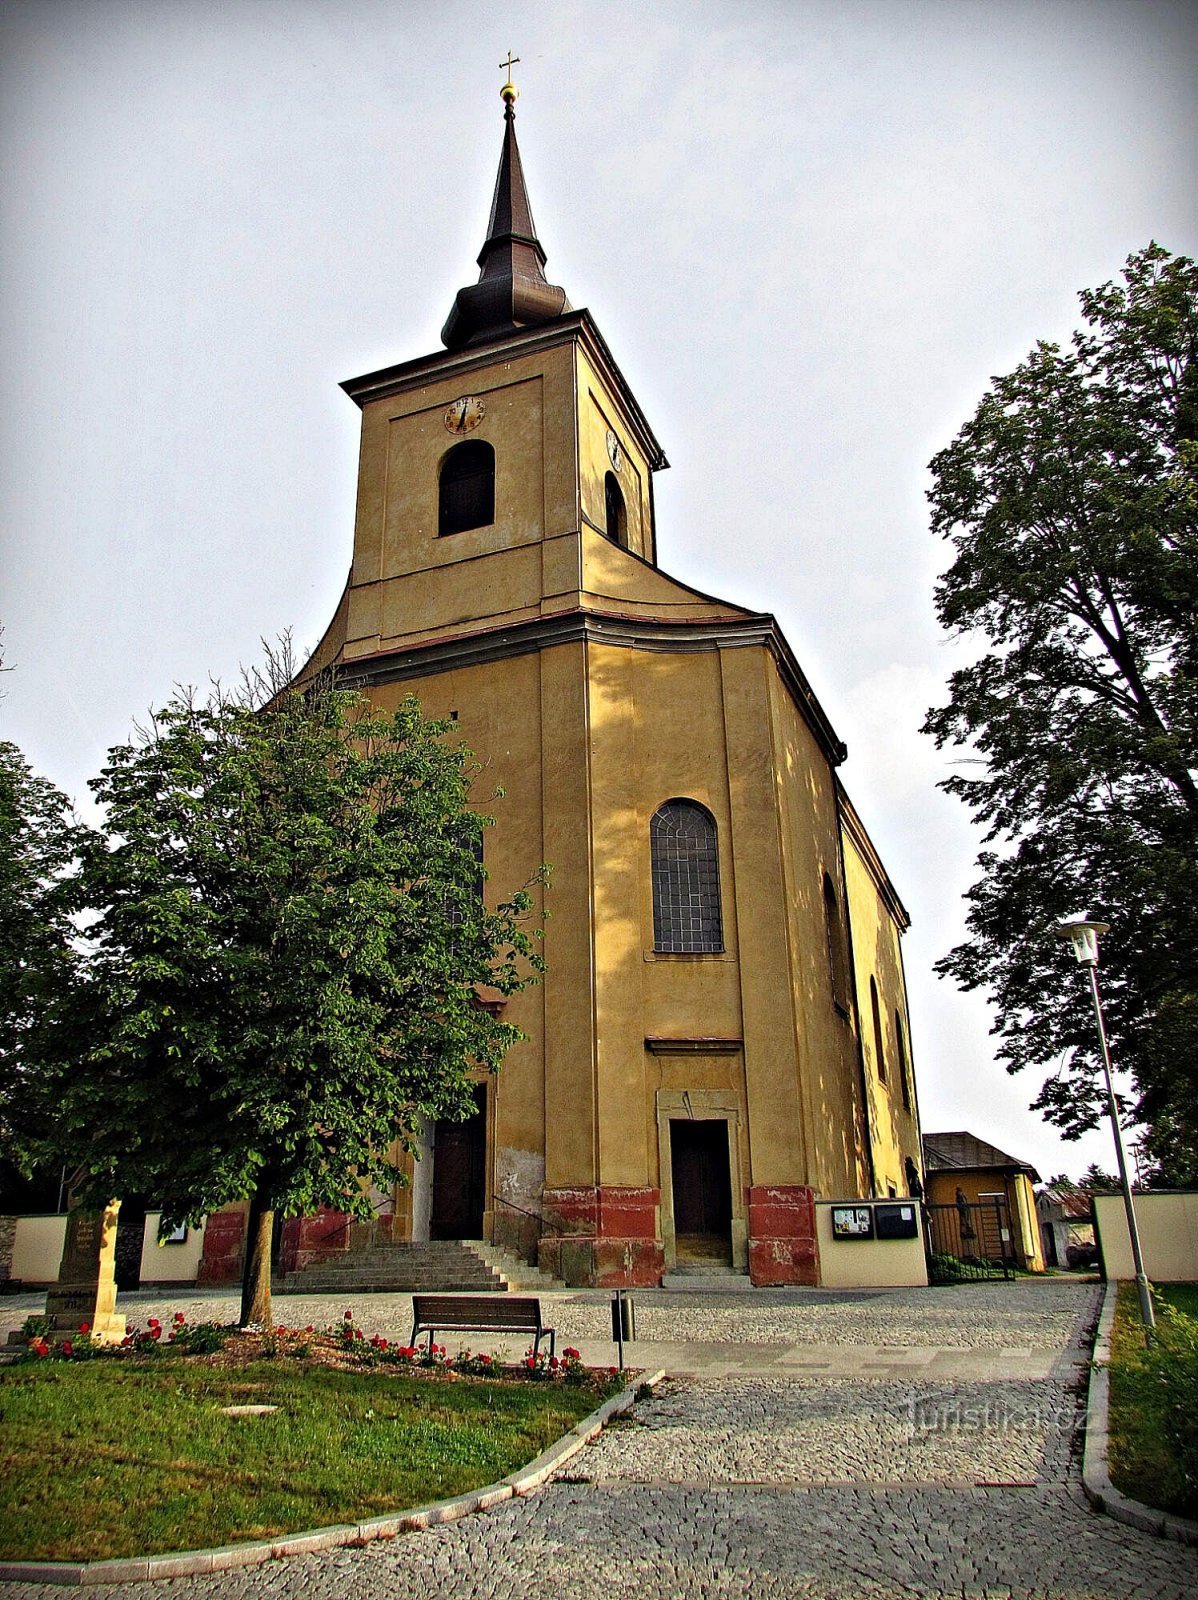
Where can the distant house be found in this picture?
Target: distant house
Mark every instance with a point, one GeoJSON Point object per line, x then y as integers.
{"type": "Point", "coordinates": [1066, 1226]}
{"type": "Point", "coordinates": [969, 1173]}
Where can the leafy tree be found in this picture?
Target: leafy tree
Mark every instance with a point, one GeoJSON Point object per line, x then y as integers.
{"type": "Point", "coordinates": [40, 843]}
{"type": "Point", "coordinates": [1070, 500]}
{"type": "Point", "coordinates": [287, 958]}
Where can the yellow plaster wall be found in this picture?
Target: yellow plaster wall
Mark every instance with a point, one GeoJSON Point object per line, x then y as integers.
{"type": "Point", "coordinates": [826, 1050]}
{"type": "Point", "coordinates": [894, 1128]}
{"type": "Point", "coordinates": [407, 581]}
{"type": "Point", "coordinates": [598, 411]}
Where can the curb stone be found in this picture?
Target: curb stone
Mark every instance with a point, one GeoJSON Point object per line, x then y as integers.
{"type": "Point", "coordinates": [191, 1563]}
{"type": "Point", "coordinates": [1096, 1477]}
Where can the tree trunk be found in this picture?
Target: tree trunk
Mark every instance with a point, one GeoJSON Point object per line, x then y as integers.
{"type": "Point", "coordinates": [255, 1279]}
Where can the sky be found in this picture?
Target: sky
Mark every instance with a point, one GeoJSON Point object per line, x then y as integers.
{"type": "Point", "coordinates": [810, 231]}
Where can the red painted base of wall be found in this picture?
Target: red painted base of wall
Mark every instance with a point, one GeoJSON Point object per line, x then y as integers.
{"type": "Point", "coordinates": [604, 1236]}
{"type": "Point", "coordinates": [782, 1245]}
{"type": "Point", "coordinates": [320, 1237]}
{"type": "Point", "coordinates": [224, 1246]}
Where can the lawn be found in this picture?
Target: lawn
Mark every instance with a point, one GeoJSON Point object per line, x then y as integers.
{"type": "Point", "coordinates": [1154, 1403]}
{"type": "Point", "coordinates": [116, 1458]}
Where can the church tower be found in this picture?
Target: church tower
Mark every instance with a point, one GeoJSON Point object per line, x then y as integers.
{"type": "Point", "coordinates": [721, 1033]}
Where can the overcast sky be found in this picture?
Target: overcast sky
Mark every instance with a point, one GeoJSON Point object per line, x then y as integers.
{"type": "Point", "coordinates": [810, 231]}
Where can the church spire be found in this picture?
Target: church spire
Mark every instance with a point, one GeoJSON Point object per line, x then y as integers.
{"type": "Point", "coordinates": [512, 291]}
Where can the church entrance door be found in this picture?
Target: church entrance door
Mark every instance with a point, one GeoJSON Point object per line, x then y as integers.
{"type": "Point", "coordinates": [702, 1190]}
{"type": "Point", "coordinates": [460, 1174]}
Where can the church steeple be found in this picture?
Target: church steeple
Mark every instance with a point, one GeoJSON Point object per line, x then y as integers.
{"type": "Point", "coordinates": [512, 291]}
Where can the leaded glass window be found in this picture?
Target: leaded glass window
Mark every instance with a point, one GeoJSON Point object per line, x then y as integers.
{"type": "Point", "coordinates": [685, 861]}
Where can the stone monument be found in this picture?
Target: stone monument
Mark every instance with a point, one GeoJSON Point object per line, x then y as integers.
{"type": "Point", "coordinates": [86, 1287]}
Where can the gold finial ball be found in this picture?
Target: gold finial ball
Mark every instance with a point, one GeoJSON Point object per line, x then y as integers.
{"type": "Point", "coordinates": [508, 94]}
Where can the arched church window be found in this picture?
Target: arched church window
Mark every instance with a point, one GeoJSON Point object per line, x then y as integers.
{"type": "Point", "coordinates": [838, 950]}
{"type": "Point", "coordinates": [685, 867]}
{"type": "Point", "coordinates": [614, 511]}
{"type": "Point", "coordinates": [467, 497]}
{"type": "Point", "coordinates": [879, 1043]}
{"type": "Point", "coordinates": [904, 1062]}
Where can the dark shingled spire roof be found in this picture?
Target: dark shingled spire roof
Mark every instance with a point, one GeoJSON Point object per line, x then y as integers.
{"type": "Point", "coordinates": [512, 291]}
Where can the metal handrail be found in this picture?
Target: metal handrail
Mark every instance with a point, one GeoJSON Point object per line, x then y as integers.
{"type": "Point", "coordinates": [348, 1224]}
{"type": "Point", "coordinates": [502, 1200]}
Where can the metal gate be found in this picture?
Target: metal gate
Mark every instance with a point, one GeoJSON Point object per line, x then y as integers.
{"type": "Point", "coordinates": [970, 1241]}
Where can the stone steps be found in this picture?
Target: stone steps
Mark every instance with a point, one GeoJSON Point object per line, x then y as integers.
{"type": "Point", "coordinates": [518, 1275]}
{"type": "Point", "coordinates": [441, 1267]}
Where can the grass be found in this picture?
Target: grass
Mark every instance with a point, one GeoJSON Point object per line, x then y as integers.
{"type": "Point", "coordinates": [1147, 1391]}
{"type": "Point", "coordinates": [109, 1458]}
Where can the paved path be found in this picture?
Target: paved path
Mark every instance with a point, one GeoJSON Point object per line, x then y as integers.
{"type": "Point", "coordinates": [830, 1447]}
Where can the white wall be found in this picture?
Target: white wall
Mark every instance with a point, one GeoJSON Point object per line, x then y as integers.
{"type": "Point", "coordinates": [1168, 1225]}
{"type": "Point", "coordinates": [170, 1263]}
{"type": "Point", "coordinates": [37, 1249]}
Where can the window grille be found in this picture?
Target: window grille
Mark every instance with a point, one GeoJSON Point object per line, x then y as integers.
{"type": "Point", "coordinates": [685, 862]}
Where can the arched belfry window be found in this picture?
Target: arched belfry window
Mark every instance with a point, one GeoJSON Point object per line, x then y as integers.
{"type": "Point", "coordinates": [685, 864]}
{"type": "Point", "coordinates": [614, 512]}
{"type": "Point", "coordinates": [467, 498]}
{"type": "Point", "coordinates": [838, 949]}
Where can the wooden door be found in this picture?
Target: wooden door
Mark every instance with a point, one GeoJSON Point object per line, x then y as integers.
{"type": "Point", "coordinates": [460, 1174]}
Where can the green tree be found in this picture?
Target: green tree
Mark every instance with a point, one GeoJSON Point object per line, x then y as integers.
{"type": "Point", "coordinates": [40, 845]}
{"type": "Point", "coordinates": [285, 969]}
{"type": "Point", "coordinates": [1070, 501]}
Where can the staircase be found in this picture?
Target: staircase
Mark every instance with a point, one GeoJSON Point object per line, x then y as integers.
{"type": "Point", "coordinates": [444, 1266]}
{"type": "Point", "coordinates": [515, 1273]}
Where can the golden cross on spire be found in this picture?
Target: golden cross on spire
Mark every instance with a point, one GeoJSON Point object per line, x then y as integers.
{"type": "Point", "coordinates": [509, 91]}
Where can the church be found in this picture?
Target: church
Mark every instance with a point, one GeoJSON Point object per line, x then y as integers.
{"type": "Point", "coordinates": [721, 1037]}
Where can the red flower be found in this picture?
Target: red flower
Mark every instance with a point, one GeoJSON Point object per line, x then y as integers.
{"type": "Point", "coordinates": [84, 1327]}
{"type": "Point", "coordinates": [179, 1317]}
{"type": "Point", "coordinates": [308, 1329]}
{"type": "Point", "coordinates": [156, 1332]}
{"type": "Point", "coordinates": [349, 1316]}
{"type": "Point", "coordinates": [611, 1371]}
{"type": "Point", "coordinates": [67, 1347]}
{"type": "Point", "coordinates": [554, 1362]}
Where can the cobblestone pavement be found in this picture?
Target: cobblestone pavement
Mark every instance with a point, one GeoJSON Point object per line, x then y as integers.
{"type": "Point", "coordinates": [776, 1483]}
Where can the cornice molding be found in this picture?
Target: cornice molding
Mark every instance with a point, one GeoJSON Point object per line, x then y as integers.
{"type": "Point", "coordinates": [864, 845]}
{"type": "Point", "coordinates": [577, 326]}
{"type": "Point", "coordinates": [577, 626]}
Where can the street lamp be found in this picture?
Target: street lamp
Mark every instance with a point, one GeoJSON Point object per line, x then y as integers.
{"type": "Point", "coordinates": [1083, 936]}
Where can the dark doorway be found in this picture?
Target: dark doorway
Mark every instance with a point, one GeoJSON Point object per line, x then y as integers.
{"type": "Point", "coordinates": [702, 1190]}
{"type": "Point", "coordinates": [130, 1235]}
{"type": "Point", "coordinates": [460, 1174]}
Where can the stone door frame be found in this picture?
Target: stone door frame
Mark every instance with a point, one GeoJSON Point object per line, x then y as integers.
{"type": "Point", "coordinates": [701, 1105]}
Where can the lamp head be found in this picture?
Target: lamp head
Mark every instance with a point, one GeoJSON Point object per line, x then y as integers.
{"type": "Point", "coordinates": [1083, 936]}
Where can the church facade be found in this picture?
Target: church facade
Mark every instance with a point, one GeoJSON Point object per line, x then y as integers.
{"type": "Point", "coordinates": [721, 1036]}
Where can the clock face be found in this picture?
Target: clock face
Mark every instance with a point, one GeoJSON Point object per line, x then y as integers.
{"type": "Point", "coordinates": [465, 414]}
{"type": "Point", "coordinates": [614, 454]}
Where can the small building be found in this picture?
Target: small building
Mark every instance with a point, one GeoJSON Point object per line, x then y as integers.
{"type": "Point", "coordinates": [1066, 1226]}
{"type": "Point", "coordinates": [991, 1192]}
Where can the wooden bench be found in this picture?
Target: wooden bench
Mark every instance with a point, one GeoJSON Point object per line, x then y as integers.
{"type": "Point", "coordinates": [467, 1313]}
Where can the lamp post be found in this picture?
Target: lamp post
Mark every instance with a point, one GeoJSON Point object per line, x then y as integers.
{"type": "Point", "coordinates": [1083, 936]}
